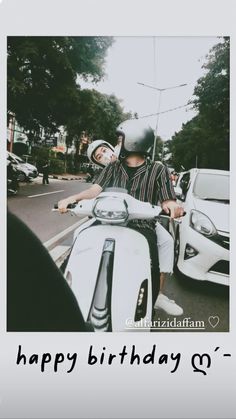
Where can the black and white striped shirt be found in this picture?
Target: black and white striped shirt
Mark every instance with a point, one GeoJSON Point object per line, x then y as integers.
{"type": "Point", "coordinates": [149, 183]}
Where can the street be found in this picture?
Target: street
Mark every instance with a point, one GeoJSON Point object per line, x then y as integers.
{"type": "Point", "coordinates": [205, 305]}
{"type": "Point", "coordinates": [34, 202]}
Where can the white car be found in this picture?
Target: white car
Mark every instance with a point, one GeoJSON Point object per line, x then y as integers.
{"type": "Point", "coordinates": [26, 171]}
{"type": "Point", "coordinates": [202, 239]}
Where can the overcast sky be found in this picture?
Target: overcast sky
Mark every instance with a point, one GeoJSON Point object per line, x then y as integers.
{"type": "Point", "coordinates": [162, 62]}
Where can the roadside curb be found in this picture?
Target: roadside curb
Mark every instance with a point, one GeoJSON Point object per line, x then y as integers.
{"type": "Point", "coordinates": [64, 177]}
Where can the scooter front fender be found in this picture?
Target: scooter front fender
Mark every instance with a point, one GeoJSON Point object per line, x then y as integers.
{"type": "Point", "coordinates": [131, 267]}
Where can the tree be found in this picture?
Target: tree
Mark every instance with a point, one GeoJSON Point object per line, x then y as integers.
{"type": "Point", "coordinates": [204, 141]}
{"type": "Point", "coordinates": [42, 77]}
{"type": "Point", "coordinates": [212, 91]}
{"type": "Point", "coordinates": [188, 146]}
{"type": "Point", "coordinates": [98, 114]}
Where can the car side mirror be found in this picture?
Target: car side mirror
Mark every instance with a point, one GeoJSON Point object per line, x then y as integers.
{"type": "Point", "coordinates": [179, 193]}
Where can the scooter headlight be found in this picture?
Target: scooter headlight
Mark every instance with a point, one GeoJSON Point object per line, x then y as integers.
{"type": "Point", "coordinates": [110, 209]}
{"type": "Point", "coordinates": [202, 224]}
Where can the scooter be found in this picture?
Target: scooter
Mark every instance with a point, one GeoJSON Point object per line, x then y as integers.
{"type": "Point", "coordinates": [109, 267]}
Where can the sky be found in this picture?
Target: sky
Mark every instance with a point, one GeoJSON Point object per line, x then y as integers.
{"type": "Point", "coordinates": [160, 62]}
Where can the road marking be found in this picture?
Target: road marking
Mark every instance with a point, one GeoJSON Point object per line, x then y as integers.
{"type": "Point", "coordinates": [59, 251]}
{"type": "Point", "coordinates": [42, 194]}
{"type": "Point", "coordinates": [63, 233]}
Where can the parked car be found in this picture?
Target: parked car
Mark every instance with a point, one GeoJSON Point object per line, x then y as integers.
{"type": "Point", "coordinates": [26, 171]}
{"type": "Point", "coordinates": [202, 239]}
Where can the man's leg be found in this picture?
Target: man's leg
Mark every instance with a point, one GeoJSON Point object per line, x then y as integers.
{"type": "Point", "coordinates": [165, 245]}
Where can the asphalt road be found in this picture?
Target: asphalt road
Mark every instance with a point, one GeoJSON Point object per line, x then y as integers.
{"type": "Point", "coordinates": [206, 305]}
{"type": "Point", "coordinates": [34, 202]}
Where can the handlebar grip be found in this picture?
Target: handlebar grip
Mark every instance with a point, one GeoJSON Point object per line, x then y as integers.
{"type": "Point", "coordinates": [69, 206]}
{"type": "Point", "coordinates": [164, 214]}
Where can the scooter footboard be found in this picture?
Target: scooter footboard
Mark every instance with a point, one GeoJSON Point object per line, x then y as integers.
{"type": "Point", "coordinates": [130, 298]}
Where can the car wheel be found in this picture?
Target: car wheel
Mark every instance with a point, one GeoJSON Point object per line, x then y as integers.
{"type": "Point", "coordinates": [21, 177]}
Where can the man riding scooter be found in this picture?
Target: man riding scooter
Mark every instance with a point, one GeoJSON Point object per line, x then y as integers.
{"type": "Point", "coordinates": [102, 153]}
{"type": "Point", "coordinates": [145, 180]}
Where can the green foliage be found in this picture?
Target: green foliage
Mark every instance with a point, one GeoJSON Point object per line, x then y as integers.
{"type": "Point", "coordinates": [98, 114]}
{"type": "Point", "coordinates": [204, 141]}
{"type": "Point", "coordinates": [57, 166]}
{"type": "Point", "coordinates": [42, 73]}
{"type": "Point", "coordinates": [59, 163]}
{"type": "Point", "coordinates": [212, 92]}
{"type": "Point", "coordinates": [39, 155]}
{"type": "Point", "coordinates": [70, 164]}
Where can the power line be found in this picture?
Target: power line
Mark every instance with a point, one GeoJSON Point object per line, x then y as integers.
{"type": "Point", "coordinates": [169, 110]}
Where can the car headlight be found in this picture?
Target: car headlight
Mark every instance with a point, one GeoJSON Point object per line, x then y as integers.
{"type": "Point", "coordinates": [112, 209]}
{"type": "Point", "coordinates": [202, 224]}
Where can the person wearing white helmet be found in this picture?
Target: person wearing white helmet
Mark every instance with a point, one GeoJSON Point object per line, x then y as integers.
{"type": "Point", "coordinates": [146, 180]}
{"type": "Point", "coordinates": [101, 153]}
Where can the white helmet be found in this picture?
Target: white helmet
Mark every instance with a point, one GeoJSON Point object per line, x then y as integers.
{"type": "Point", "coordinates": [93, 147]}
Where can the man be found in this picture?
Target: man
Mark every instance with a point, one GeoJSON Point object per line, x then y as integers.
{"type": "Point", "coordinates": [102, 153]}
{"type": "Point", "coordinates": [145, 180]}
{"type": "Point", "coordinates": [45, 171]}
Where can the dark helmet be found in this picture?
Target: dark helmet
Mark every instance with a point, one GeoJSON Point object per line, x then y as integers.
{"type": "Point", "coordinates": [138, 136]}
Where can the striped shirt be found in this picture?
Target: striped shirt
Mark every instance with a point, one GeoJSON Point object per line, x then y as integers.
{"type": "Point", "coordinates": [149, 183]}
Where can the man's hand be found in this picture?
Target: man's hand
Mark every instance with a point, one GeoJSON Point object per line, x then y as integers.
{"type": "Point", "coordinates": [62, 205]}
{"type": "Point", "coordinates": [173, 209]}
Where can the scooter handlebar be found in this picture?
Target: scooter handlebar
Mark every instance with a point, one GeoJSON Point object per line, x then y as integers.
{"type": "Point", "coordinates": [69, 206]}
{"type": "Point", "coordinates": [163, 214]}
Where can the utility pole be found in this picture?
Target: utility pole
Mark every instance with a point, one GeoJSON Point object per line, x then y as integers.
{"type": "Point", "coordinates": [160, 90]}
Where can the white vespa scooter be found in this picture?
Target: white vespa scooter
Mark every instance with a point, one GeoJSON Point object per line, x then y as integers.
{"type": "Point", "coordinates": [109, 268]}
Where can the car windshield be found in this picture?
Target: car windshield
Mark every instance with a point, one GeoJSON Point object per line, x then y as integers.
{"type": "Point", "coordinates": [212, 187]}
{"type": "Point", "coordinates": [17, 158]}
{"type": "Point", "coordinates": [14, 158]}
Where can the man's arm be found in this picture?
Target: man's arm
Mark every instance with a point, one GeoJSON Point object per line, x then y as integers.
{"type": "Point", "coordinates": [167, 195]}
{"type": "Point", "coordinates": [90, 193]}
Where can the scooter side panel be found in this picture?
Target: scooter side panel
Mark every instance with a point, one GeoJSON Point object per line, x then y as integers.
{"type": "Point", "coordinates": [131, 267]}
